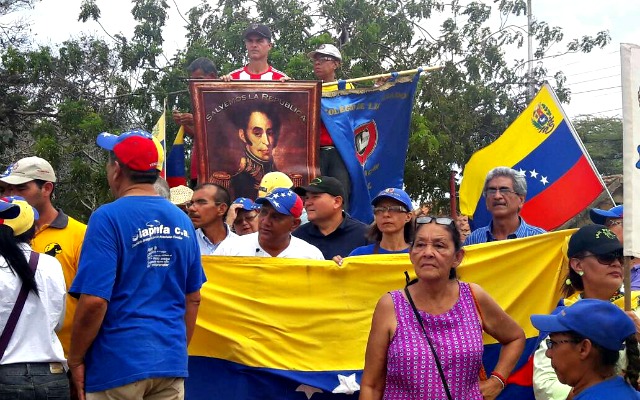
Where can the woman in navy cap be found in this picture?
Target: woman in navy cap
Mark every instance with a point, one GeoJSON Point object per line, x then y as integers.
{"type": "Point", "coordinates": [595, 272]}
{"type": "Point", "coordinates": [392, 230]}
{"type": "Point", "coordinates": [584, 346]}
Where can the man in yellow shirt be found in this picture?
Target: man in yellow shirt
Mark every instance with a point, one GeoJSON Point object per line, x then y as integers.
{"type": "Point", "coordinates": [57, 234]}
{"type": "Point", "coordinates": [326, 60]}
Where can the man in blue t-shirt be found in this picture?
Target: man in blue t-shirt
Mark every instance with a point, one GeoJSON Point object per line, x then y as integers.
{"type": "Point", "coordinates": [138, 283]}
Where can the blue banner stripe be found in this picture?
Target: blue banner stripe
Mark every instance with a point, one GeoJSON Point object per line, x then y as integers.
{"type": "Point", "coordinates": [222, 379]}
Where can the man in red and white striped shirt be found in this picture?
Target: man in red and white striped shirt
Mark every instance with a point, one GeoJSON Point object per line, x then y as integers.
{"type": "Point", "coordinates": [257, 39]}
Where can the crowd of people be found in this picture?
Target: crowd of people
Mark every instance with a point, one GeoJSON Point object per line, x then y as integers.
{"type": "Point", "coordinates": [118, 309]}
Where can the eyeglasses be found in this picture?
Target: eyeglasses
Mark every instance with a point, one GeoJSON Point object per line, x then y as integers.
{"type": "Point", "coordinates": [503, 191]}
{"type": "Point", "coordinates": [606, 259]}
{"type": "Point", "coordinates": [323, 59]}
{"type": "Point", "coordinates": [439, 220]}
{"type": "Point", "coordinates": [613, 222]}
{"type": "Point", "coordinates": [200, 203]}
{"type": "Point", "coordinates": [245, 218]}
{"type": "Point", "coordinates": [552, 343]}
{"type": "Point", "coordinates": [390, 209]}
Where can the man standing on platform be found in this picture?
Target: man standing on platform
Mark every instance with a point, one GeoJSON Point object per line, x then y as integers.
{"type": "Point", "coordinates": [257, 40]}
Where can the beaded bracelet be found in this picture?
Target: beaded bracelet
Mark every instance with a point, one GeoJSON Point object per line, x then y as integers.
{"type": "Point", "coordinates": [500, 378]}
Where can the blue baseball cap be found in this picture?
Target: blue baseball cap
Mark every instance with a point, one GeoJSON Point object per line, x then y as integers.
{"type": "Point", "coordinates": [8, 210]}
{"type": "Point", "coordinates": [284, 201]}
{"type": "Point", "coordinates": [396, 194]}
{"type": "Point", "coordinates": [603, 323]}
{"type": "Point", "coordinates": [23, 220]}
{"type": "Point", "coordinates": [247, 204]}
{"type": "Point", "coordinates": [599, 216]}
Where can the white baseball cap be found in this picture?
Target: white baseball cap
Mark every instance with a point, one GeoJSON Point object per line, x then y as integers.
{"type": "Point", "coordinates": [28, 169]}
{"type": "Point", "coordinates": [327, 50]}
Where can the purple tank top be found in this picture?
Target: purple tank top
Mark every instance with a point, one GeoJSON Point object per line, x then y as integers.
{"type": "Point", "coordinates": [457, 337]}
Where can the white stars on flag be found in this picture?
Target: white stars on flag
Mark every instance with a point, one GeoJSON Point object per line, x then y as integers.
{"type": "Point", "coordinates": [348, 384]}
{"type": "Point", "coordinates": [533, 173]}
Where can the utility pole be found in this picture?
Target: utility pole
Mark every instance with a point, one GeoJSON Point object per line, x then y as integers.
{"type": "Point", "coordinates": [530, 88]}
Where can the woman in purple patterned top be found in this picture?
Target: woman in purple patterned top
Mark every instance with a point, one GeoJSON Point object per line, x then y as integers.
{"type": "Point", "coordinates": [399, 362]}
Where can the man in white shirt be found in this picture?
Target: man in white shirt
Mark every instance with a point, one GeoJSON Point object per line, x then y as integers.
{"type": "Point", "coordinates": [279, 216]}
{"type": "Point", "coordinates": [208, 209]}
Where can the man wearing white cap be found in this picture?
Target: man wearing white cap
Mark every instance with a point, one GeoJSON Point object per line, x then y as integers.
{"type": "Point", "coordinates": [57, 234]}
{"type": "Point", "coordinates": [326, 60]}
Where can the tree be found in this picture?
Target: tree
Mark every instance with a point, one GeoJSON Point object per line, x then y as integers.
{"type": "Point", "coordinates": [459, 109]}
{"type": "Point", "coordinates": [602, 136]}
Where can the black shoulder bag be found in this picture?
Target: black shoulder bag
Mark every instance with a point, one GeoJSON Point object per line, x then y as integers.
{"type": "Point", "coordinates": [419, 318]}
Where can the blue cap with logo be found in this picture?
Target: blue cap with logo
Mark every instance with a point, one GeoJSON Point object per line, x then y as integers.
{"type": "Point", "coordinates": [396, 194]}
{"type": "Point", "coordinates": [600, 321]}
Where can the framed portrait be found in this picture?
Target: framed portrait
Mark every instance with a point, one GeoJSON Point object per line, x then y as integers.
{"type": "Point", "coordinates": [245, 129]}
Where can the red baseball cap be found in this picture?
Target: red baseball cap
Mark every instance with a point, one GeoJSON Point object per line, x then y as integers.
{"type": "Point", "coordinates": [137, 149]}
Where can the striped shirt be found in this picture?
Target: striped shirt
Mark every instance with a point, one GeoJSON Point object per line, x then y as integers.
{"type": "Point", "coordinates": [271, 74]}
{"type": "Point", "coordinates": [483, 235]}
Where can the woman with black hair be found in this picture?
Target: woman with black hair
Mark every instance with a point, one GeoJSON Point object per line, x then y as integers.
{"type": "Point", "coordinates": [584, 345]}
{"type": "Point", "coordinates": [426, 340]}
{"type": "Point", "coordinates": [392, 229]}
{"type": "Point", "coordinates": [32, 298]}
{"type": "Point", "coordinates": [595, 272]}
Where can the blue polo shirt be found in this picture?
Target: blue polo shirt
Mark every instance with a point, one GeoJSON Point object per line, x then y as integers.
{"type": "Point", "coordinates": [350, 234]}
{"type": "Point", "coordinates": [483, 235]}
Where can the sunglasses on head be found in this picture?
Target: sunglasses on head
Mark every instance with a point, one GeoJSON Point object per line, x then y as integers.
{"type": "Point", "coordinates": [438, 220]}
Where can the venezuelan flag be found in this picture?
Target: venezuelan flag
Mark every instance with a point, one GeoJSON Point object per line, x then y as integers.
{"type": "Point", "coordinates": [175, 161]}
{"type": "Point", "coordinates": [159, 132]}
{"type": "Point", "coordinates": [298, 329]}
{"type": "Point", "coordinates": [543, 145]}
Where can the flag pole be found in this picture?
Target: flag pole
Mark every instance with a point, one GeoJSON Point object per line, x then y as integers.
{"type": "Point", "coordinates": [452, 195]}
{"type": "Point", "coordinates": [579, 141]}
{"type": "Point", "coordinates": [374, 77]}
{"type": "Point", "coordinates": [164, 142]}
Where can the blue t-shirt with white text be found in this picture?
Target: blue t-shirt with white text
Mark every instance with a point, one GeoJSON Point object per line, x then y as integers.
{"type": "Point", "coordinates": [141, 255]}
{"type": "Point", "coordinates": [611, 389]}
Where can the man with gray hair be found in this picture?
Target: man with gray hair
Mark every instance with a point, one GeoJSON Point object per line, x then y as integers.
{"type": "Point", "coordinates": [504, 191]}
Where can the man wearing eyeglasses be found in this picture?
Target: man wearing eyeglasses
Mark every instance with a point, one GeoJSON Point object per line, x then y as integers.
{"type": "Point", "coordinates": [505, 190]}
{"type": "Point", "coordinates": [208, 209]}
{"type": "Point", "coordinates": [326, 60]}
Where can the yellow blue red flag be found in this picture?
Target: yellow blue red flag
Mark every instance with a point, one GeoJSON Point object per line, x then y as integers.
{"type": "Point", "coordinates": [297, 329]}
{"type": "Point", "coordinates": [159, 132]}
{"type": "Point", "coordinates": [175, 161]}
{"type": "Point", "coordinates": [542, 145]}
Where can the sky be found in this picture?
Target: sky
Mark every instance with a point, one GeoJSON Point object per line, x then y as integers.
{"type": "Point", "coordinates": [593, 78]}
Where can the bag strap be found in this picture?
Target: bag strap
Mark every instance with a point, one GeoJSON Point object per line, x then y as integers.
{"type": "Point", "coordinates": [483, 372]}
{"type": "Point", "coordinates": [7, 332]}
{"type": "Point", "coordinates": [419, 318]}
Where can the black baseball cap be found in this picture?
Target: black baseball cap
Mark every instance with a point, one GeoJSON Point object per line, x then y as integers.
{"type": "Point", "coordinates": [322, 184]}
{"type": "Point", "coordinates": [596, 239]}
{"type": "Point", "coordinates": [257, 29]}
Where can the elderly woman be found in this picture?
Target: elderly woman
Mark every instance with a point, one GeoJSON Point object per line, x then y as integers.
{"type": "Point", "coordinates": [595, 272]}
{"type": "Point", "coordinates": [32, 288]}
{"type": "Point", "coordinates": [583, 346]}
{"type": "Point", "coordinates": [434, 350]}
{"type": "Point", "coordinates": [392, 229]}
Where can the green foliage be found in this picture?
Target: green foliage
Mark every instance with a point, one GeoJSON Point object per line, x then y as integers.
{"type": "Point", "coordinates": [54, 100]}
{"type": "Point", "coordinates": [602, 136]}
